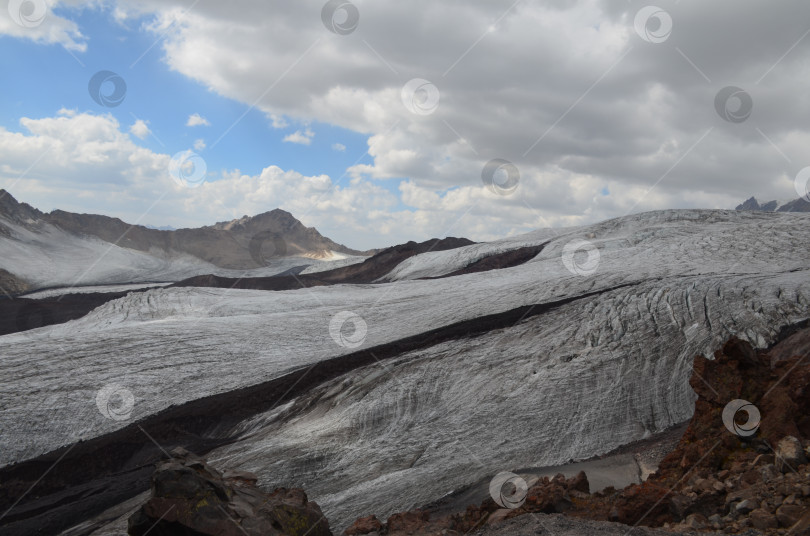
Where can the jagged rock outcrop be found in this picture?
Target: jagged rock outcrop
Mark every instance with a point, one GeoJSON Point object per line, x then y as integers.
{"type": "Point", "coordinates": [797, 205]}
{"type": "Point", "coordinates": [191, 498]}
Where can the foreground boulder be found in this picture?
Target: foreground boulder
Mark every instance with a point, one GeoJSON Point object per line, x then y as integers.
{"type": "Point", "coordinates": [191, 498]}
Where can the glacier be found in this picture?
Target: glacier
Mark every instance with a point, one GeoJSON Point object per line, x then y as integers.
{"type": "Point", "coordinates": [606, 365]}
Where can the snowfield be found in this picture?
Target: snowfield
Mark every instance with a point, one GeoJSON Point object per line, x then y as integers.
{"type": "Point", "coordinates": [575, 381]}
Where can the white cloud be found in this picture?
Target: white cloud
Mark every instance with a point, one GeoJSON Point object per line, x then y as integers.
{"type": "Point", "coordinates": [302, 137]}
{"type": "Point", "coordinates": [81, 159]}
{"type": "Point", "coordinates": [599, 108]}
{"type": "Point", "coordinates": [140, 129]}
{"type": "Point", "coordinates": [196, 120]}
{"type": "Point", "coordinates": [338, 147]}
{"type": "Point", "coordinates": [42, 25]}
{"type": "Point", "coordinates": [199, 144]}
{"type": "Point", "coordinates": [278, 121]}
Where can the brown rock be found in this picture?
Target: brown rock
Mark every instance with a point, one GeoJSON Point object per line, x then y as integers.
{"type": "Point", "coordinates": [680, 504]}
{"type": "Point", "coordinates": [579, 483]}
{"type": "Point", "coordinates": [643, 504]}
{"type": "Point", "coordinates": [762, 519]}
{"type": "Point", "coordinates": [789, 454]}
{"type": "Point", "coordinates": [191, 497]}
{"type": "Point", "coordinates": [768, 472]}
{"type": "Point", "coordinates": [407, 522]}
{"type": "Point", "coordinates": [802, 526]}
{"type": "Point", "coordinates": [789, 514]}
{"type": "Point", "coordinates": [549, 497]}
{"type": "Point", "coordinates": [746, 506]}
{"type": "Point", "coordinates": [696, 521]}
{"type": "Point", "coordinates": [364, 525]}
{"type": "Point", "coordinates": [751, 477]}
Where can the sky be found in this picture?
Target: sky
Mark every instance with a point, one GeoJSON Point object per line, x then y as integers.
{"type": "Point", "coordinates": [379, 122]}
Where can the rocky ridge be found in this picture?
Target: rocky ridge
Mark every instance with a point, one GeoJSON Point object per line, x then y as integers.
{"type": "Point", "coordinates": [797, 205]}
{"type": "Point", "coordinates": [38, 249]}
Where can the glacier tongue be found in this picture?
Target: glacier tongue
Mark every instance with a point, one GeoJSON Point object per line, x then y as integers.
{"type": "Point", "coordinates": [575, 382]}
{"type": "Point", "coordinates": [572, 382]}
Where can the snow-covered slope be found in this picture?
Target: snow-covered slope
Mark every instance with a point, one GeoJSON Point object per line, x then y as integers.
{"type": "Point", "coordinates": [606, 367]}
{"type": "Point", "coordinates": [438, 263]}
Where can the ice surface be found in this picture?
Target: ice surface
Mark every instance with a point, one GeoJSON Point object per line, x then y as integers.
{"type": "Point", "coordinates": [438, 263]}
{"type": "Point", "coordinates": [53, 292]}
{"type": "Point", "coordinates": [570, 383]}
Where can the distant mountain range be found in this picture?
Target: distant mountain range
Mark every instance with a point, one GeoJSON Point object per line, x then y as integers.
{"type": "Point", "coordinates": [797, 205]}
{"type": "Point", "coordinates": [40, 249]}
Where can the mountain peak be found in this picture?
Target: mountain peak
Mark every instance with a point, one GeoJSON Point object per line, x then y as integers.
{"type": "Point", "coordinates": [797, 205]}
{"type": "Point", "coordinates": [241, 244]}
{"type": "Point", "coordinates": [16, 211]}
{"type": "Point", "coordinates": [276, 216]}
{"type": "Point", "coordinates": [749, 204]}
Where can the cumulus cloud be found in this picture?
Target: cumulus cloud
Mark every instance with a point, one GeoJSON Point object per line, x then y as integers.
{"type": "Point", "coordinates": [84, 162]}
{"type": "Point", "coordinates": [37, 21]}
{"type": "Point", "coordinates": [196, 120]}
{"type": "Point", "coordinates": [140, 129]}
{"type": "Point", "coordinates": [278, 121]}
{"type": "Point", "coordinates": [339, 147]}
{"type": "Point", "coordinates": [302, 137]}
{"type": "Point", "coordinates": [567, 91]}
{"type": "Point", "coordinates": [199, 144]}
{"type": "Point", "coordinates": [598, 120]}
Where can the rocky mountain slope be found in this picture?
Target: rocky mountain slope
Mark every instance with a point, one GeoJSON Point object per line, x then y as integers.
{"type": "Point", "coordinates": [64, 249]}
{"type": "Point", "coordinates": [378, 398]}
